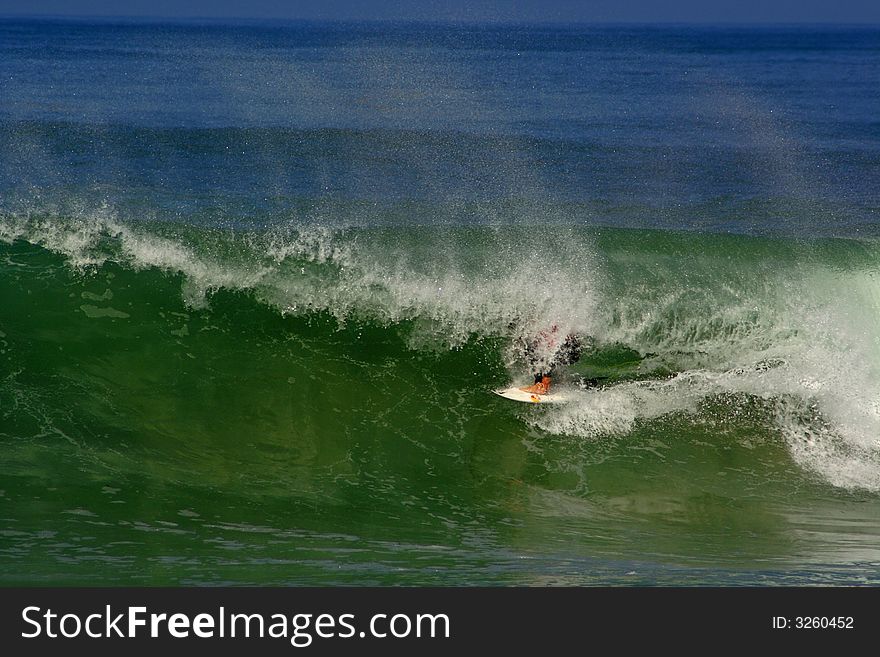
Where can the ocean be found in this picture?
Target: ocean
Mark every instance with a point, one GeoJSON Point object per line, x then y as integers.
{"type": "Point", "coordinates": [258, 281]}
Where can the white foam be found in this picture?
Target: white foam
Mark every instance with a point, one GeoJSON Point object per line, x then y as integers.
{"type": "Point", "coordinates": [811, 350]}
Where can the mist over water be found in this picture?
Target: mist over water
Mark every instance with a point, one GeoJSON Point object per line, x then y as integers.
{"type": "Point", "coordinates": [259, 281]}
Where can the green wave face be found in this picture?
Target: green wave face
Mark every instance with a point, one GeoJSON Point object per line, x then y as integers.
{"type": "Point", "coordinates": [312, 406]}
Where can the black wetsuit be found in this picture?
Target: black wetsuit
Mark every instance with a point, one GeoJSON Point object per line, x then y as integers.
{"type": "Point", "coordinates": [569, 352]}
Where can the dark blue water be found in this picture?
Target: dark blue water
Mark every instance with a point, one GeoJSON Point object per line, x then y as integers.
{"type": "Point", "coordinates": [749, 130]}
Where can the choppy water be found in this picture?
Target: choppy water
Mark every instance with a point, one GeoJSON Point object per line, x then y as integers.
{"type": "Point", "coordinates": [257, 282]}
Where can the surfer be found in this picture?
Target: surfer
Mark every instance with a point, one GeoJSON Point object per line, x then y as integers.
{"type": "Point", "coordinates": [545, 353]}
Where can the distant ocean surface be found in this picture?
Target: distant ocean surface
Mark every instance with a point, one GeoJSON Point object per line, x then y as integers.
{"type": "Point", "coordinates": [257, 282]}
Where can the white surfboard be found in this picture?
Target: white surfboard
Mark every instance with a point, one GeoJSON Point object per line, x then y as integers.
{"type": "Point", "coordinates": [516, 394]}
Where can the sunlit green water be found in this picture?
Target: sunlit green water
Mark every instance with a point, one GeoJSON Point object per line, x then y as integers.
{"type": "Point", "coordinates": [145, 439]}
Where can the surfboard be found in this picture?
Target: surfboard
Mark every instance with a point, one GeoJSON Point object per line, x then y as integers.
{"type": "Point", "coordinates": [516, 394]}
